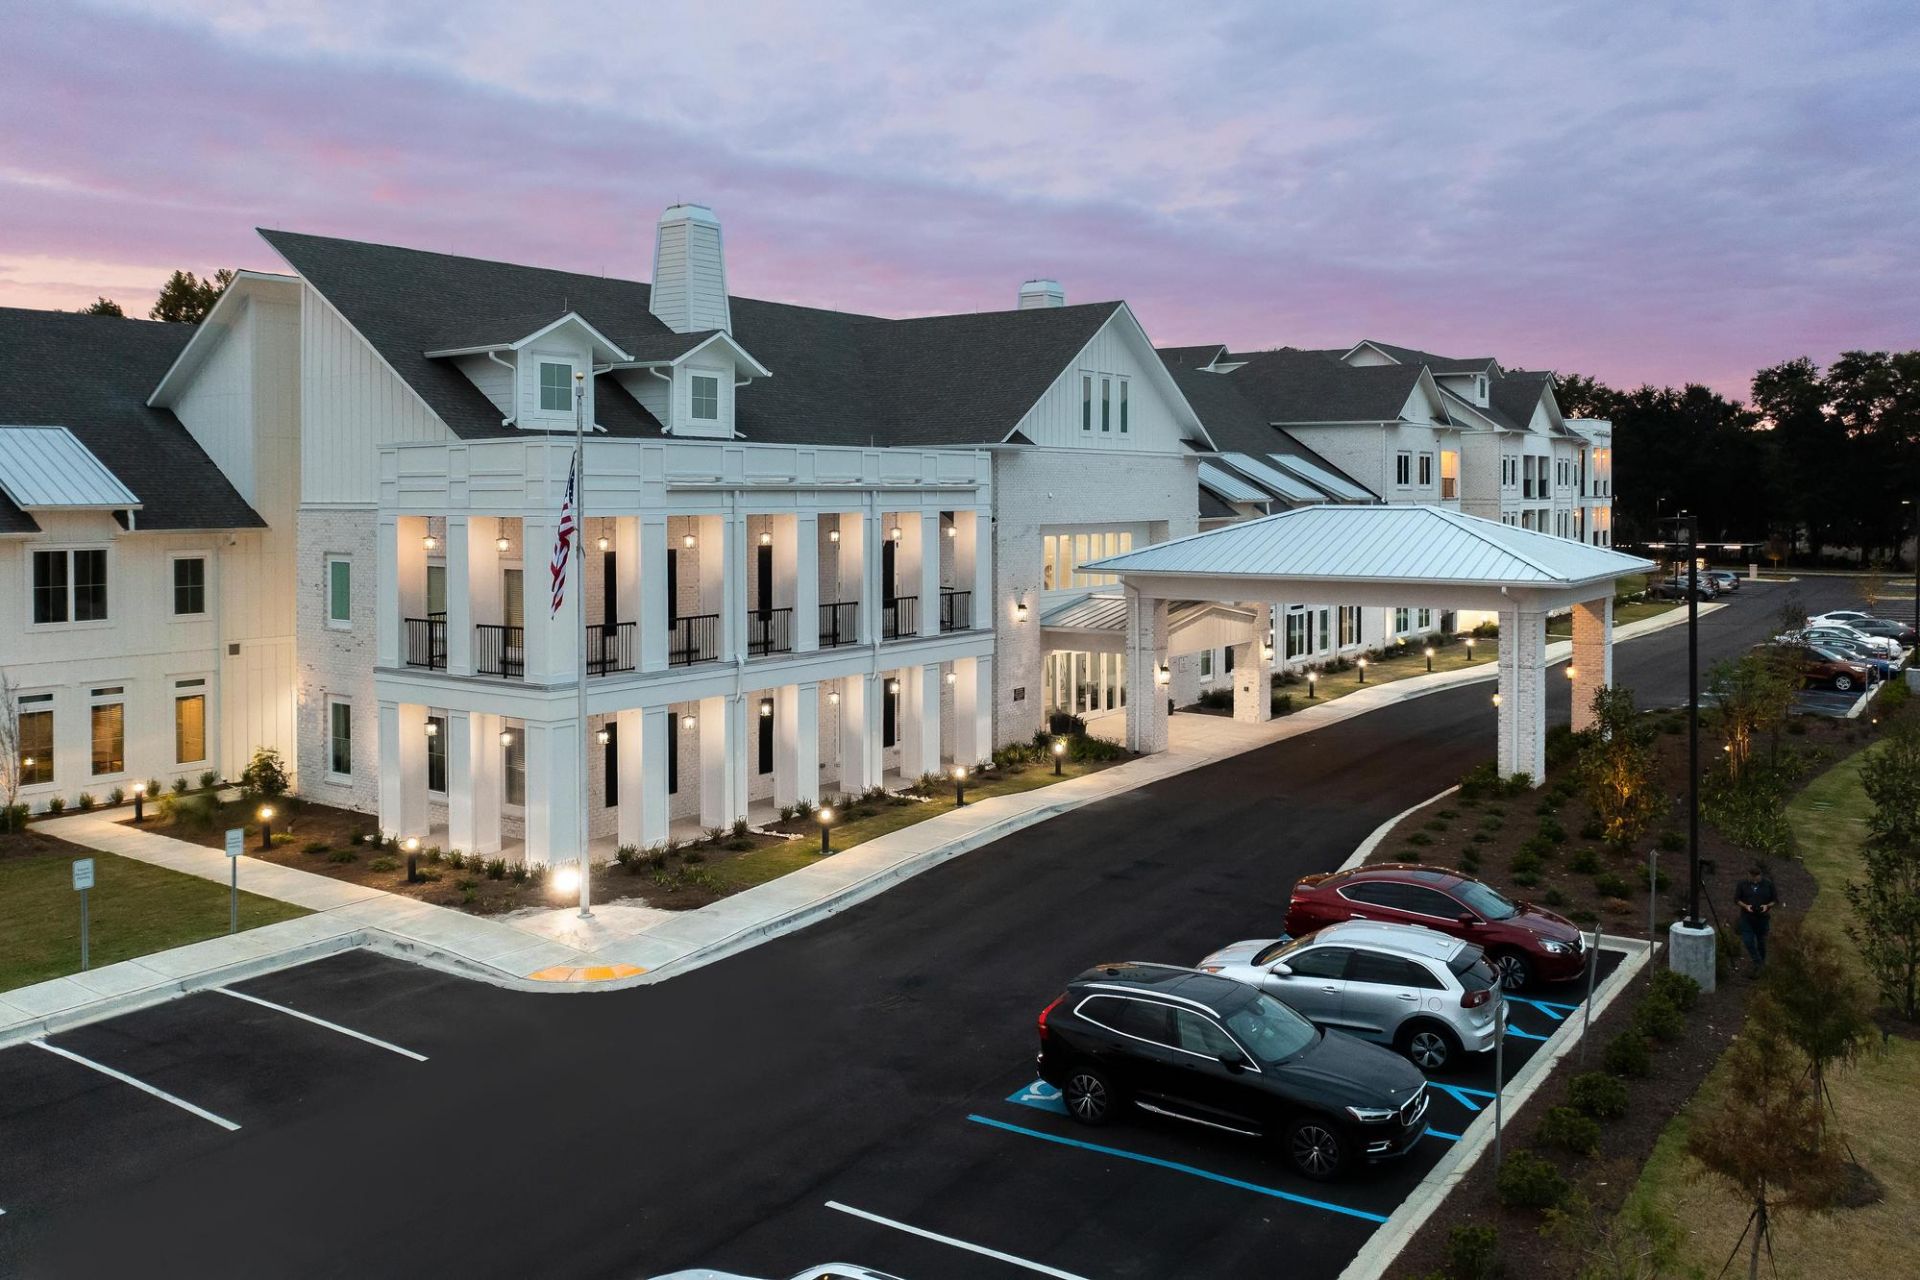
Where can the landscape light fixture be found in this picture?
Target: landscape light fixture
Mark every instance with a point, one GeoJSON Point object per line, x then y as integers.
{"type": "Point", "coordinates": [1361, 665]}
{"type": "Point", "coordinates": [1313, 678]}
{"type": "Point", "coordinates": [503, 544]}
{"type": "Point", "coordinates": [603, 737]}
{"type": "Point", "coordinates": [429, 542]}
{"type": "Point", "coordinates": [959, 785]}
{"type": "Point", "coordinates": [265, 815]}
{"type": "Point", "coordinates": [411, 844]}
{"type": "Point", "coordinates": [1059, 750]}
{"type": "Point", "coordinates": [566, 879]}
{"type": "Point", "coordinates": [1429, 657]}
{"type": "Point", "coordinates": [139, 800]}
{"type": "Point", "coordinates": [1469, 648]}
{"type": "Point", "coordinates": [824, 816]}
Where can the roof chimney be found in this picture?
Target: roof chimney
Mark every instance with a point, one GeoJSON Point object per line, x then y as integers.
{"type": "Point", "coordinates": [689, 271]}
{"type": "Point", "coordinates": [1042, 293]}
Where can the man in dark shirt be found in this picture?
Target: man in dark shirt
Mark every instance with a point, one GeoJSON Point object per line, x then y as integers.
{"type": "Point", "coordinates": [1757, 900]}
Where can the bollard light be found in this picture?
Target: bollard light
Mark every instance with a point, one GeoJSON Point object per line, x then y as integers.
{"type": "Point", "coordinates": [411, 844]}
{"type": "Point", "coordinates": [1429, 657]}
{"type": "Point", "coordinates": [1361, 663]}
{"type": "Point", "coordinates": [1059, 751]}
{"type": "Point", "coordinates": [1313, 679]}
{"type": "Point", "coordinates": [825, 818]}
{"type": "Point", "coordinates": [959, 785]}
{"type": "Point", "coordinates": [1469, 648]}
{"type": "Point", "coordinates": [566, 879]}
{"type": "Point", "coordinates": [139, 800]}
{"type": "Point", "coordinates": [265, 815]}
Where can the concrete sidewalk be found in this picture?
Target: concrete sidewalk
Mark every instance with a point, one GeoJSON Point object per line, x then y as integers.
{"type": "Point", "coordinates": [625, 943]}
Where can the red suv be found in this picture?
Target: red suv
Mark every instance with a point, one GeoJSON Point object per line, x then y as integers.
{"type": "Point", "coordinates": [1522, 940]}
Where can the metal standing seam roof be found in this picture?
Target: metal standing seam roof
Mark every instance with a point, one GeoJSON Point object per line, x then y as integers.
{"type": "Point", "coordinates": [48, 467]}
{"type": "Point", "coordinates": [1338, 486]}
{"type": "Point", "coordinates": [1109, 613]}
{"type": "Point", "coordinates": [1229, 486]}
{"type": "Point", "coordinates": [1288, 486]}
{"type": "Point", "coordinates": [1379, 544]}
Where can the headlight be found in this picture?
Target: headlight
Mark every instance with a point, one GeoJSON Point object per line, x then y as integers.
{"type": "Point", "coordinates": [1372, 1115]}
{"type": "Point", "coordinates": [1556, 948]}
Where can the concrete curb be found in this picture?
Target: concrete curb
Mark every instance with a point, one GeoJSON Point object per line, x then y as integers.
{"type": "Point", "coordinates": [1405, 1222]}
{"type": "Point", "coordinates": [1365, 848]}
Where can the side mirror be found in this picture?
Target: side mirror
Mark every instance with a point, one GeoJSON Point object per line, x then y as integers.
{"type": "Point", "coordinates": [1469, 919]}
{"type": "Point", "coordinates": [1233, 1062]}
{"type": "Point", "coordinates": [1281, 969]}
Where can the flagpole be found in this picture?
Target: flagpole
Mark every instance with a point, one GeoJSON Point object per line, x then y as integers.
{"type": "Point", "coordinates": [579, 558]}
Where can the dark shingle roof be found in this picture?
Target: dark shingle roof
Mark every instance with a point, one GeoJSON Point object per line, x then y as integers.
{"type": "Point", "coordinates": [92, 375]}
{"type": "Point", "coordinates": [1303, 386]}
{"type": "Point", "coordinates": [1516, 395]}
{"type": "Point", "coordinates": [1438, 364]}
{"type": "Point", "coordinates": [838, 378]}
{"type": "Point", "coordinates": [1191, 357]}
{"type": "Point", "coordinates": [1236, 425]}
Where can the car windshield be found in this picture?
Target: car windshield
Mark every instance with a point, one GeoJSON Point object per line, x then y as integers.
{"type": "Point", "coordinates": [1484, 902]}
{"type": "Point", "coordinates": [1269, 1030]}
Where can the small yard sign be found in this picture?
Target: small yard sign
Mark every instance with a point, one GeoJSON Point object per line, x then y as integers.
{"type": "Point", "coordinates": [236, 839]}
{"type": "Point", "coordinates": [83, 873]}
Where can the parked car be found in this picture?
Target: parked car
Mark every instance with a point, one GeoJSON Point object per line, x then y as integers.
{"type": "Point", "coordinates": [1215, 1052]}
{"type": "Point", "coordinates": [1832, 631]}
{"type": "Point", "coordinates": [1901, 633]}
{"type": "Point", "coordinates": [1837, 647]}
{"type": "Point", "coordinates": [1724, 580]}
{"type": "Point", "coordinates": [1675, 588]}
{"type": "Point", "coordinates": [1430, 996]}
{"type": "Point", "coordinates": [828, 1271]}
{"type": "Point", "coordinates": [1524, 942]}
{"type": "Point", "coordinates": [1815, 669]}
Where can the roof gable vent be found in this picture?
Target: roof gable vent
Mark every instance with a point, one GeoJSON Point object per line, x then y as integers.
{"type": "Point", "coordinates": [689, 292]}
{"type": "Point", "coordinates": [1042, 293]}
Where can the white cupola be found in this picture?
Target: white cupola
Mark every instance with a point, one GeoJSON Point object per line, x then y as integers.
{"type": "Point", "coordinates": [689, 292]}
{"type": "Point", "coordinates": [1042, 293]}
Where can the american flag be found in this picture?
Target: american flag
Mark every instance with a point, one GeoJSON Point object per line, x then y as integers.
{"type": "Point", "coordinates": [563, 541]}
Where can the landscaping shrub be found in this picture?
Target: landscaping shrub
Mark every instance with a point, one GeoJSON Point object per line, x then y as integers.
{"type": "Point", "coordinates": [1593, 829]}
{"type": "Point", "coordinates": [154, 789]}
{"type": "Point", "coordinates": [455, 858]}
{"type": "Point", "coordinates": [1473, 1253]}
{"type": "Point", "coordinates": [208, 778]}
{"type": "Point", "coordinates": [179, 786]}
{"type": "Point", "coordinates": [316, 846]}
{"type": "Point", "coordinates": [200, 811]}
{"type": "Point", "coordinates": [1598, 1094]}
{"type": "Point", "coordinates": [693, 857]}
{"type": "Point", "coordinates": [1480, 837]}
{"type": "Point", "coordinates": [626, 855]}
{"type": "Point", "coordinates": [1660, 1018]}
{"type": "Point", "coordinates": [1216, 700]}
{"type": "Point", "coordinates": [86, 802]}
{"type": "Point", "coordinates": [1571, 1130]}
{"type": "Point", "coordinates": [740, 828]}
{"type": "Point", "coordinates": [13, 817]}
{"type": "Point", "coordinates": [1670, 842]}
{"type": "Point", "coordinates": [359, 837]}
{"type": "Point", "coordinates": [265, 777]}
{"type": "Point", "coordinates": [1480, 781]}
{"type": "Point", "coordinates": [1538, 846]}
{"type": "Point", "coordinates": [1094, 750]}
{"type": "Point", "coordinates": [519, 872]}
{"type": "Point", "coordinates": [1526, 879]}
{"type": "Point", "coordinates": [1676, 988]}
{"type": "Point", "coordinates": [1434, 824]}
{"type": "Point", "coordinates": [1528, 1181]}
{"type": "Point", "coordinates": [384, 864]}
{"type": "Point", "coordinates": [1585, 862]}
{"type": "Point", "coordinates": [496, 868]}
{"type": "Point", "coordinates": [1525, 862]}
{"type": "Point", "coordinates": [1411, 855]}
{"type": "Point", "coordinates": [117, 796]}
{"type": "Point", "coordinates": [1562, 746]}
{"type": "Point", "coordinates": [1627, 1054]}
{"type": "Point", "coordinates": [1552, 832]}
{"type": "Point", "coordinates": [1611, 884]}
{"type": "Point", "coordinates": [1445, 813]}
{"type": "Point", "coordinates": [1282, 704]}
{"type": "Point", "coordinates": [1062, 725]}
{"type": "Point", "coordinates": [1419, 838]}
{"type": "Point", "coordinates": [343, 856]}
{"type": "Point", "coordinates": [1470, 862]}
{"type": "Point", "coordinates": [1555, 898]}
{"type": "Point", "coordinates": [740, 845]}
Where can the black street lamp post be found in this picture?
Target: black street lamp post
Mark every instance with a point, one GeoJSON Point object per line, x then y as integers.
{"type": "Point", "coordinates": [1686, 524]}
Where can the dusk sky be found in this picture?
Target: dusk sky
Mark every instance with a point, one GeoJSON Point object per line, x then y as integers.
{"type": "Point", "coordinates": [1644, 192]}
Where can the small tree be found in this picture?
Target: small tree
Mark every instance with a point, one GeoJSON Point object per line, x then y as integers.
{"type": "Point", "coordinates": [1886, 903]}
{"type": "Point", "coordinates": [1824, 1008]}
{"type": "Point", "coordinates": [186, 299]}
{"type": "Point", "coordinates": [1793, 613]}
{"type": "Point", "coordinates": [265, 777]}
{"type": "Point", "coordinates": [1753, 695]}
{"type": "Point", "coordinates": [1616, 767]}
{"type": "Point", "coordinates": [103, 306]}
{"type": "Point", "coordinates": [1763, 1134]}
{"type": "Point", "coordinates": [10, 769]}
{"type": "Point", "coordinates": [1873, 585]}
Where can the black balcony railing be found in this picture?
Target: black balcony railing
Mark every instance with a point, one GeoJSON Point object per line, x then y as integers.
{"type": "Point", "coordinates": [500, 651]}
{"type": "Point", "coordinates": [609, 648]}
{"type": "Point", "coordinates": [900, 616]}
{"type": "Point", "coordinates": [769, 631]}
{"type": "Point", "coordinates": [956, 610]}
{"type": "Point", "coordinates": [427, 643]}
{"type": "Point", "coordinates": [839, 624]}
{"type": "Point", "coordinates": [694, 638]}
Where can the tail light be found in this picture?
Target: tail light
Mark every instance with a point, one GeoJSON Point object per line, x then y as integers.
{"type": "Point", "coordinates": [1042, 1023]}
{"type": "Point", "coordinates": [1468, 999]}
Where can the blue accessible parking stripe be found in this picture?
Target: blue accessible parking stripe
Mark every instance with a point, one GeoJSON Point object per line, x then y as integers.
{"type": "Point", "coordinates": [1558, 1012]}
{"type": "Point", "coordinates": [1522, 1035]}
{"type": "Point", "coordinates": [1179, 1168]}
{"type": "Point", "coordinates": [1462, 1094]}
{"type": "Point", "coordinates": [1041, 1096]}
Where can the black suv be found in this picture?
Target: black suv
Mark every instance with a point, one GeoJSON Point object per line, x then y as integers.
{"type": "Point", "coordinates": [1221, 1053]}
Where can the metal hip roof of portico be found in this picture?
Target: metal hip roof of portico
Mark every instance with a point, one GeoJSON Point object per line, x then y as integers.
{"type": "Point", "coordinates": [1383, 544]}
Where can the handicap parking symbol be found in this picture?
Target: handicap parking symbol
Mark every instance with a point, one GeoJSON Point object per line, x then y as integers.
{"type": "Point", "coordinates": [1041, 1096]}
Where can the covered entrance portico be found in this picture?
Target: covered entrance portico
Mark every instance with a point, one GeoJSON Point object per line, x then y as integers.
{"type": "Point", "coordinates": [1390, 557]}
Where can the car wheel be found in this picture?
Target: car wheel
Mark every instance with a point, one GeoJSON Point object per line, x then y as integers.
{"type": "Point", "coordinates": [1515, 972]}
{"type": "Point", "coordinates": [1089, 1096]}
{"type": "Point", "coordinates": [1427, 1046]}
{"type": "Point", "coordinates": [1843, 683]}
{"type": "Point", "coordinates": [1316, 1148]}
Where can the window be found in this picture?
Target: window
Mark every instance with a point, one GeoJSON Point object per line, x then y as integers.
{"type": "Point", "coordinates": [706, 396]}
{"type": "Point", "coordinates": [69, 586]}
{"type": "Point", "coordinates": [189, 586]}
{"type": "Point", "coordinates": [1401, 621]}
{"type": "Point", "coordinates": [610, 762]}
{"type": "Point", "coordinates": [556, 386]}
{"type": "Point", "coordinates": [1123, 406]}
{"type": "Point", "coordinates": [1403, 468]}
{"type": "Point", "coordinates": [673, 751]}
{"type": "Point", "coordinates": [437, 754]}
{"type": "Point", "coordinates": [1390, 971]}
{"type": "Point", "coordinates": [1320, 962]}
{"type": "Point", "coordinates": [513, 754]}
{"type": "Point", "coordinates": [1325, 617]}
{"type": "Point", "coordinates": [436, 591]}
{"type": "Point", "coordinates": [765, 761]}
{"type": "Point", "coordinates": [1423, 621]}
{"type": "Point", "coordinates": [1086, 402]}
{"type": "Point", "coordinates": [339, 738]}
{"type": "Point", "coordinates": [36, 741]}
{"type": "Point", "coordinates": [1449, 473]}
{"type": "Point", "coordinates": [339, 592]}
{"type": "Point", "coordinates": [189, 728]}
{"type": "Point", "coordinates": [109, 734]}
{"type": "Point", "coordinates": [1426, 469]}
{"type": "Point", "coordinates": [1106, 404]}
{"type": "Point", "coordinates": [1198, 1035]}
{"type": "Point", "coordinates": [1206, 664]}
{"type": "Point", "coordinates": [1349, 625]}
{"type": "Point", "coordinates": [1296, 633]}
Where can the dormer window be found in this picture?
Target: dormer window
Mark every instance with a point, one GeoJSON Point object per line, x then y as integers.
{"type": "Point", "coordinates": [556, 386]}
{"type": "Point", "coordinates": [706, 397]}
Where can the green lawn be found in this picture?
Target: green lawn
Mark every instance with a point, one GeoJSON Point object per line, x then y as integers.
{"type": "Point", "coordinates": [1874, 1100]}
{"type": "Point", "coordinates": [1411, 661]}
{"type": "Point", "coordinates": [885, 817]}
{"type": "Point", "coordinates": [135, 909]}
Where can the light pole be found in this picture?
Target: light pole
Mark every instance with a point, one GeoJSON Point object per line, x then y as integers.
{"type": "Point", "coordinates": [825, 818]}
{"type": "Point", "coordinates": [1690, 948]}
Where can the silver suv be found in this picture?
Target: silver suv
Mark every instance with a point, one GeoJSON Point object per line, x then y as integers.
{"type": "Point", "coordinates": [1430, 996]}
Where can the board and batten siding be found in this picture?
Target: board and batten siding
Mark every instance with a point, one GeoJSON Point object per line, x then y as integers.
{"type": "Point", "coordinates": [494, 379]}
{"type": "Point", "coordinates": [351, 404]}
{"type": "Point", "coordinates": [1154, 421]}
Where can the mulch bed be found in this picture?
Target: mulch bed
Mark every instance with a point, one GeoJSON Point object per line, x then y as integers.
{"type": "Point", "coordinates": [340, 843]}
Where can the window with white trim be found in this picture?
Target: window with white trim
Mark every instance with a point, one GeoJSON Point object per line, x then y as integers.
{"type": "Point", "coordinates": [339, 739]}
{"type": "Point", "coordinates": [189, 721]}
{"type": "Point", "coordinates": [437, 755]}
{"type": "Point", "coordinates": [1401, 621]}
{"type": "Point", "coordinates": [36, 739]}
{"type": "Point", "coordinates": [1086, 402]}
{"type": "Point", "coordinates": [514, 766]}
{"type": "Point", "coordinates": [1123, 406]}
{"type": "Point", "coordinates": [1296, 633]}
{"type": "Point", "coordinates": [108, 718]}
{"type": "Point", "coordinates": [1426, 470]}
{"type": "Point", "coordinates": [339, 592]}
{"type": "Point", "coordinates": [1206, 665]}
{"type": "Point", "coordinates": [556, 386]}
{"type": "Point", "coordinates": [1403, 468]}
{"type": "Point", "coordinates": [69, 586]}
{"type": "Point", "coordinates": [1349, 625]}
{"type": "Point", "coordinates": [705, 391]}
{"type": "Point", "coordinates": [189, 586]}
{"type": "Point", "coordinates": [1106, 404]}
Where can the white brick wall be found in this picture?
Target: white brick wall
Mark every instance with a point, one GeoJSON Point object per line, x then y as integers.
{"type": "Point", "coordinates": [336, 662]}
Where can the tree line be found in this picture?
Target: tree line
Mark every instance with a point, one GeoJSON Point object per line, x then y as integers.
{"type": "Point", "coordinates": [184, 298]}
{"type": "Point", "coordinates": [1815, 460]}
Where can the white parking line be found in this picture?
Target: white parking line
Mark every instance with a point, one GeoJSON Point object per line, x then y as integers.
{"type": "Point", "coordinates": [982, 1250]}
{"type": "Point", "coordinates": [322, 1022]}
{"type": "Point", "coordinates": [141, 1085]}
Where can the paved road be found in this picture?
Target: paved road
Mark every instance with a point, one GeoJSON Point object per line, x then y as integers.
{"type": "Point", "coordinates": [709, 1119]}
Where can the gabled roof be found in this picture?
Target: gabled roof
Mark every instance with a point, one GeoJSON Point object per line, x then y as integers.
{"type": "Point", "coordinates": [92, 375]}
{"type": "Point", "coordinates": [1379, 544]}
{"type": "Point", "coordinates": [839, 378]}
{"type": "Point", "coordinates": [1438, 364]}
{"type": "Point", "coordinates": [1518, 394]}
{"type": "Point", "coordinates": [489, 338]}
{"type": "Point", "coordinates": [1305, 387]}
{"type": "Point", "coordinates": [1192, 357]}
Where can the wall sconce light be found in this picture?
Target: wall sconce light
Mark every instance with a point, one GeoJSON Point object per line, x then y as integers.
{"type": "Point", "coordinates": [766, 539]}
{"type": "Point", "coordinates": [688, 542]}
{"type": "Point", "coordinates": [893, 686]}
{"type": "Point", "coordinates": [1019, 610]}
{"type": "Point", "coordinates": [766, 708]}
{"type": "Point", "coordinates": [1162, 675]}
{"type": "Point", "coordinates": [953, 531]}
{"type": "Point", "coordinates": [833, 697]}
{"type": "Point", "coordinates": [952, 677]}
{"type": "Point", "coordinates": [833, 535]}
{"type": "Point", "coordinates": [1571, 673]}
{"type": "Point", "coordinates": [893, 534]}
{"type": "Point", "coordinates": [429, 542]}
{"type": "Point", "coordinates": [506, 737]}
{"type": "Point", "coordinates": [502, 544]}
{"type": "Point", "coordinates": [433, 730]}
{"type": "Point", "coordinates": [1496, 699]}
{"type": "Point", "coordinates": [606, 544]}
{"type": "Point", "coordinates": [1266, 651]}
{"type": "Point", "coordinates": [603, 737]}
{"type": "Point", "coordinates": [687, 721]}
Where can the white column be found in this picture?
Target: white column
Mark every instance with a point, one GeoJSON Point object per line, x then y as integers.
{"type": "Point", "coordinates": [553, 792]}
{"type": "Point", "coordinates": [1253, 671]}
{"type": "Point", "coordinates": [655, 735]}
{"type": "Point", "coordinates": [1146, 651]}
{"type": "Point", "coordinates": [855, 550]}
{"type": "Point", "coordinates": [723, 774]}
{"type": "Point", "coordinates": [733, 589]}
{"type": "Point", "coordinates": [796, 744]}
{"type": "Point", "coordinates": [873, 533]}
{"type": "Point", "coordinates": [927, 562]}
{"type": "Point", "coordinates": [1592, 656]}
{"type": "Point", "coordinates": [859, 732]}
{"type": "Point", "coordinates": [803, 570]}
{"type": "Point", "coordinates": [919, 721]}
{"type": "Point", "coordinates": [552, 638]}
{"type": "Point", "coordinates": [973, 563]}
{"type": "Point", "coordinates": [1523, 694]}
{"type": "Point", "coordinates": [413, 769]}
{"type": "Point", "coordinates": [972, 711]}
{"type": "Point", "coordinates": [460, 554]}
{"type": "Point", "coordinates": [386, 592]}
{"type": "Point", "coordinates": [651, 565]}
{"type": "Point", "coordinates": [487, 761]}
{"type": "Point", "coordinates": [631, 761]}
{"type": "Point", "coordinates": [392, 782]}
{"type": "Point", "coordinates": [461, 778]}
